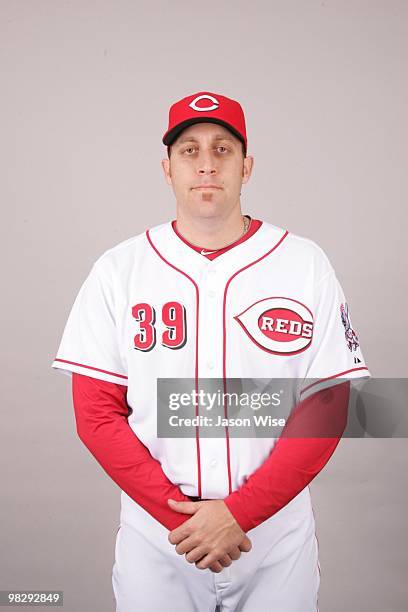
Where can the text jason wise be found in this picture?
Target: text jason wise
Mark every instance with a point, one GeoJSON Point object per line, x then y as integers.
{"type": "Point", "coordinates": [205, 421]}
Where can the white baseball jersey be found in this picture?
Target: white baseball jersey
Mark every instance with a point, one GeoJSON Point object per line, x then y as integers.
{"type": "Point", "coordinates": [152, 307]}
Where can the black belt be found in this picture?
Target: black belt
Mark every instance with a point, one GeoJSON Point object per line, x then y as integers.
{"type": "Point", "coordinates": [196, 498]}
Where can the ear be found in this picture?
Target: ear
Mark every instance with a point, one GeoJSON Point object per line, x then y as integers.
{"type": "Point", "coordinates": [247, 168]}
{"type": "Point", "coordinates": [166, 170]}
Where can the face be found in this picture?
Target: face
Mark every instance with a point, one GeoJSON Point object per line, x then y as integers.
{"type": "Point", "coordinates": [206, 170]}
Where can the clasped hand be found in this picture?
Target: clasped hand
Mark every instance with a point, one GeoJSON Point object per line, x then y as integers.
{"type": "Point", "coordinates": [211, 538]}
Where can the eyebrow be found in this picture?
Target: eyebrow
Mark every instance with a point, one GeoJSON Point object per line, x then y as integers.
{"type": "Point", "coordinates": [192, 139]}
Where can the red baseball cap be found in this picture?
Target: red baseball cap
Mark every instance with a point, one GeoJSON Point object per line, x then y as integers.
{"type": "Point", "coordinates": [206, 107]}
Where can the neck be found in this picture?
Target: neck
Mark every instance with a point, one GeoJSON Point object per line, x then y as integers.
{"type": "Point", "coordinates": [211, 232]}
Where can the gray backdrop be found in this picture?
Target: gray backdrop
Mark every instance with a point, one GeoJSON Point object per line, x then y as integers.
{"type": "Point", "coordinates": [86, 87]}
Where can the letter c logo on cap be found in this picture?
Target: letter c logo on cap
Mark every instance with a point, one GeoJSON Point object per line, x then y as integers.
{"type": "Point", "coordinates": [215, 103]}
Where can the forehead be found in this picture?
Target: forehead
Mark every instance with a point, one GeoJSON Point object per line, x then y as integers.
{"type": "Point", "coordinates": [203, 130]}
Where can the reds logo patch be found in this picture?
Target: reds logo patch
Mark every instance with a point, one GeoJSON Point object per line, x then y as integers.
{"type": "Point", "coordinates": [279, 325]}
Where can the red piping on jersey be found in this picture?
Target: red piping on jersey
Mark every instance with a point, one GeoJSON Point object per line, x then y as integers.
{"type": "Point", "coordinates": [330, 377]}
{"type": "Point", "coordinates": [91, 368]}
{"type": "Point", "coordinates": [224, 344]}
{"type": "Point", "coordinates": [196, 350]}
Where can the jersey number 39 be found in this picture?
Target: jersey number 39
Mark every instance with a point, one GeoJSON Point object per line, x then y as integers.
{"type": "Point", "coordinates": [173, 316]}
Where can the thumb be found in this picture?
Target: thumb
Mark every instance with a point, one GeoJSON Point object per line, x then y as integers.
{"type": "Point", "coordinates": [245, 545]}
{"type": "Point", "coordinates": [184, 507]}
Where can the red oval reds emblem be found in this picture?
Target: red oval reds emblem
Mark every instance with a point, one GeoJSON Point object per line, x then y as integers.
{"type": "Point", "coordinates": [279, 325]}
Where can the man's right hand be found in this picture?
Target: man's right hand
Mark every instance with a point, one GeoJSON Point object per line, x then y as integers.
{"type": "Point", "coordinates": [208, 511]}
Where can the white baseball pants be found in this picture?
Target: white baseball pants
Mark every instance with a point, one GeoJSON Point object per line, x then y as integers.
{"type": "Point", "coordinates": [280, 574]}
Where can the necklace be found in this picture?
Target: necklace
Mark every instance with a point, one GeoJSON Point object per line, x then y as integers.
{"type": "Point", "coordinates": [246, 225]}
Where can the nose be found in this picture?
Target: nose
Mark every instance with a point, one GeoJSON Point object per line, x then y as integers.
{"type": "Point", "coordinates": [206, 164]}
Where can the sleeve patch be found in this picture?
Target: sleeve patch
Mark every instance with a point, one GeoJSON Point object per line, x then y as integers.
{"type": "Point", "coordinates": [350, 335]}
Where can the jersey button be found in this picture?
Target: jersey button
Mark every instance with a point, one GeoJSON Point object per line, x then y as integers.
{"type": "Point", "coordinates": [211, 293]}
{"type": "Point", "coordinates": [210, 365]}
{"type": "Point", "coordinates": [214, 463]}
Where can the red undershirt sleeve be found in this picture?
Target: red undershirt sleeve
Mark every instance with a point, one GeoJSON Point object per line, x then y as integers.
{"type": "Point", "coordinates": [101, 412]}
{"type": "Point", "coordinates": [294, 461]}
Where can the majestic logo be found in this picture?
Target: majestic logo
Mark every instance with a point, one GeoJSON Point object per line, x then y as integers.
{"type": "Point", "coordinates": [215, 104]}
{"type": "Point", "coordinates": [278, 325]}
{"type": "Point", "coordinates": [351, 336]}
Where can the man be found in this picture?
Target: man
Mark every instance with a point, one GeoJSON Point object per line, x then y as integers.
{"type": "Point", "coordinates": [212, 294]}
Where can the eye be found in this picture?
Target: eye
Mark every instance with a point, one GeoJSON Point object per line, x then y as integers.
{"type": "Point", "coordinates": [188, 149]}
{"type": "Point", "coordinates": [222, 147]}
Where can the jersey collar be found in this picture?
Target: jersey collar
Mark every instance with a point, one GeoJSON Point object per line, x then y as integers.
{"type": "Point", "coordinates": [170, 247]}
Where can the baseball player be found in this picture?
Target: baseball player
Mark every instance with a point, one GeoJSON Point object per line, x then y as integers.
{"type": "Point", "coordinates": [210, 522]}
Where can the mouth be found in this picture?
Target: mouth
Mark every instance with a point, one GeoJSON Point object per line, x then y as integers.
{"type": "Point", "coordinates": [207, 187]}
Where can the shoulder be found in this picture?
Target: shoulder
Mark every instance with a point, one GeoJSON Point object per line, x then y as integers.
{"type": "Point", "coordinates": [302, 251]}
{"type": "Point", "coordinates": [122, 256]}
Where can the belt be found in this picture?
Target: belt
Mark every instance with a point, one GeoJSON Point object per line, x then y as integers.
{"type": "Point", "coordinates": [196, 498]}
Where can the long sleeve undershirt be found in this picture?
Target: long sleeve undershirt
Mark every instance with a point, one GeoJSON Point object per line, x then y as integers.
{"type": "Point", "coordinates": [101, 412]}
{"type": "Point", "coordinates": [296, 458]}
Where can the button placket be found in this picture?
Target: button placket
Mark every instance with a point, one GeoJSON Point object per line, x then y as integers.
{"type": "Point", "coordinates": [210, 321]}
{"type": "Point", "coordinates": [213, 467]}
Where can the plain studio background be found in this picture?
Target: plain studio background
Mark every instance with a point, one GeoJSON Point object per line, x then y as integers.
{"type": "Point", "coordinates": [86, 88]}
